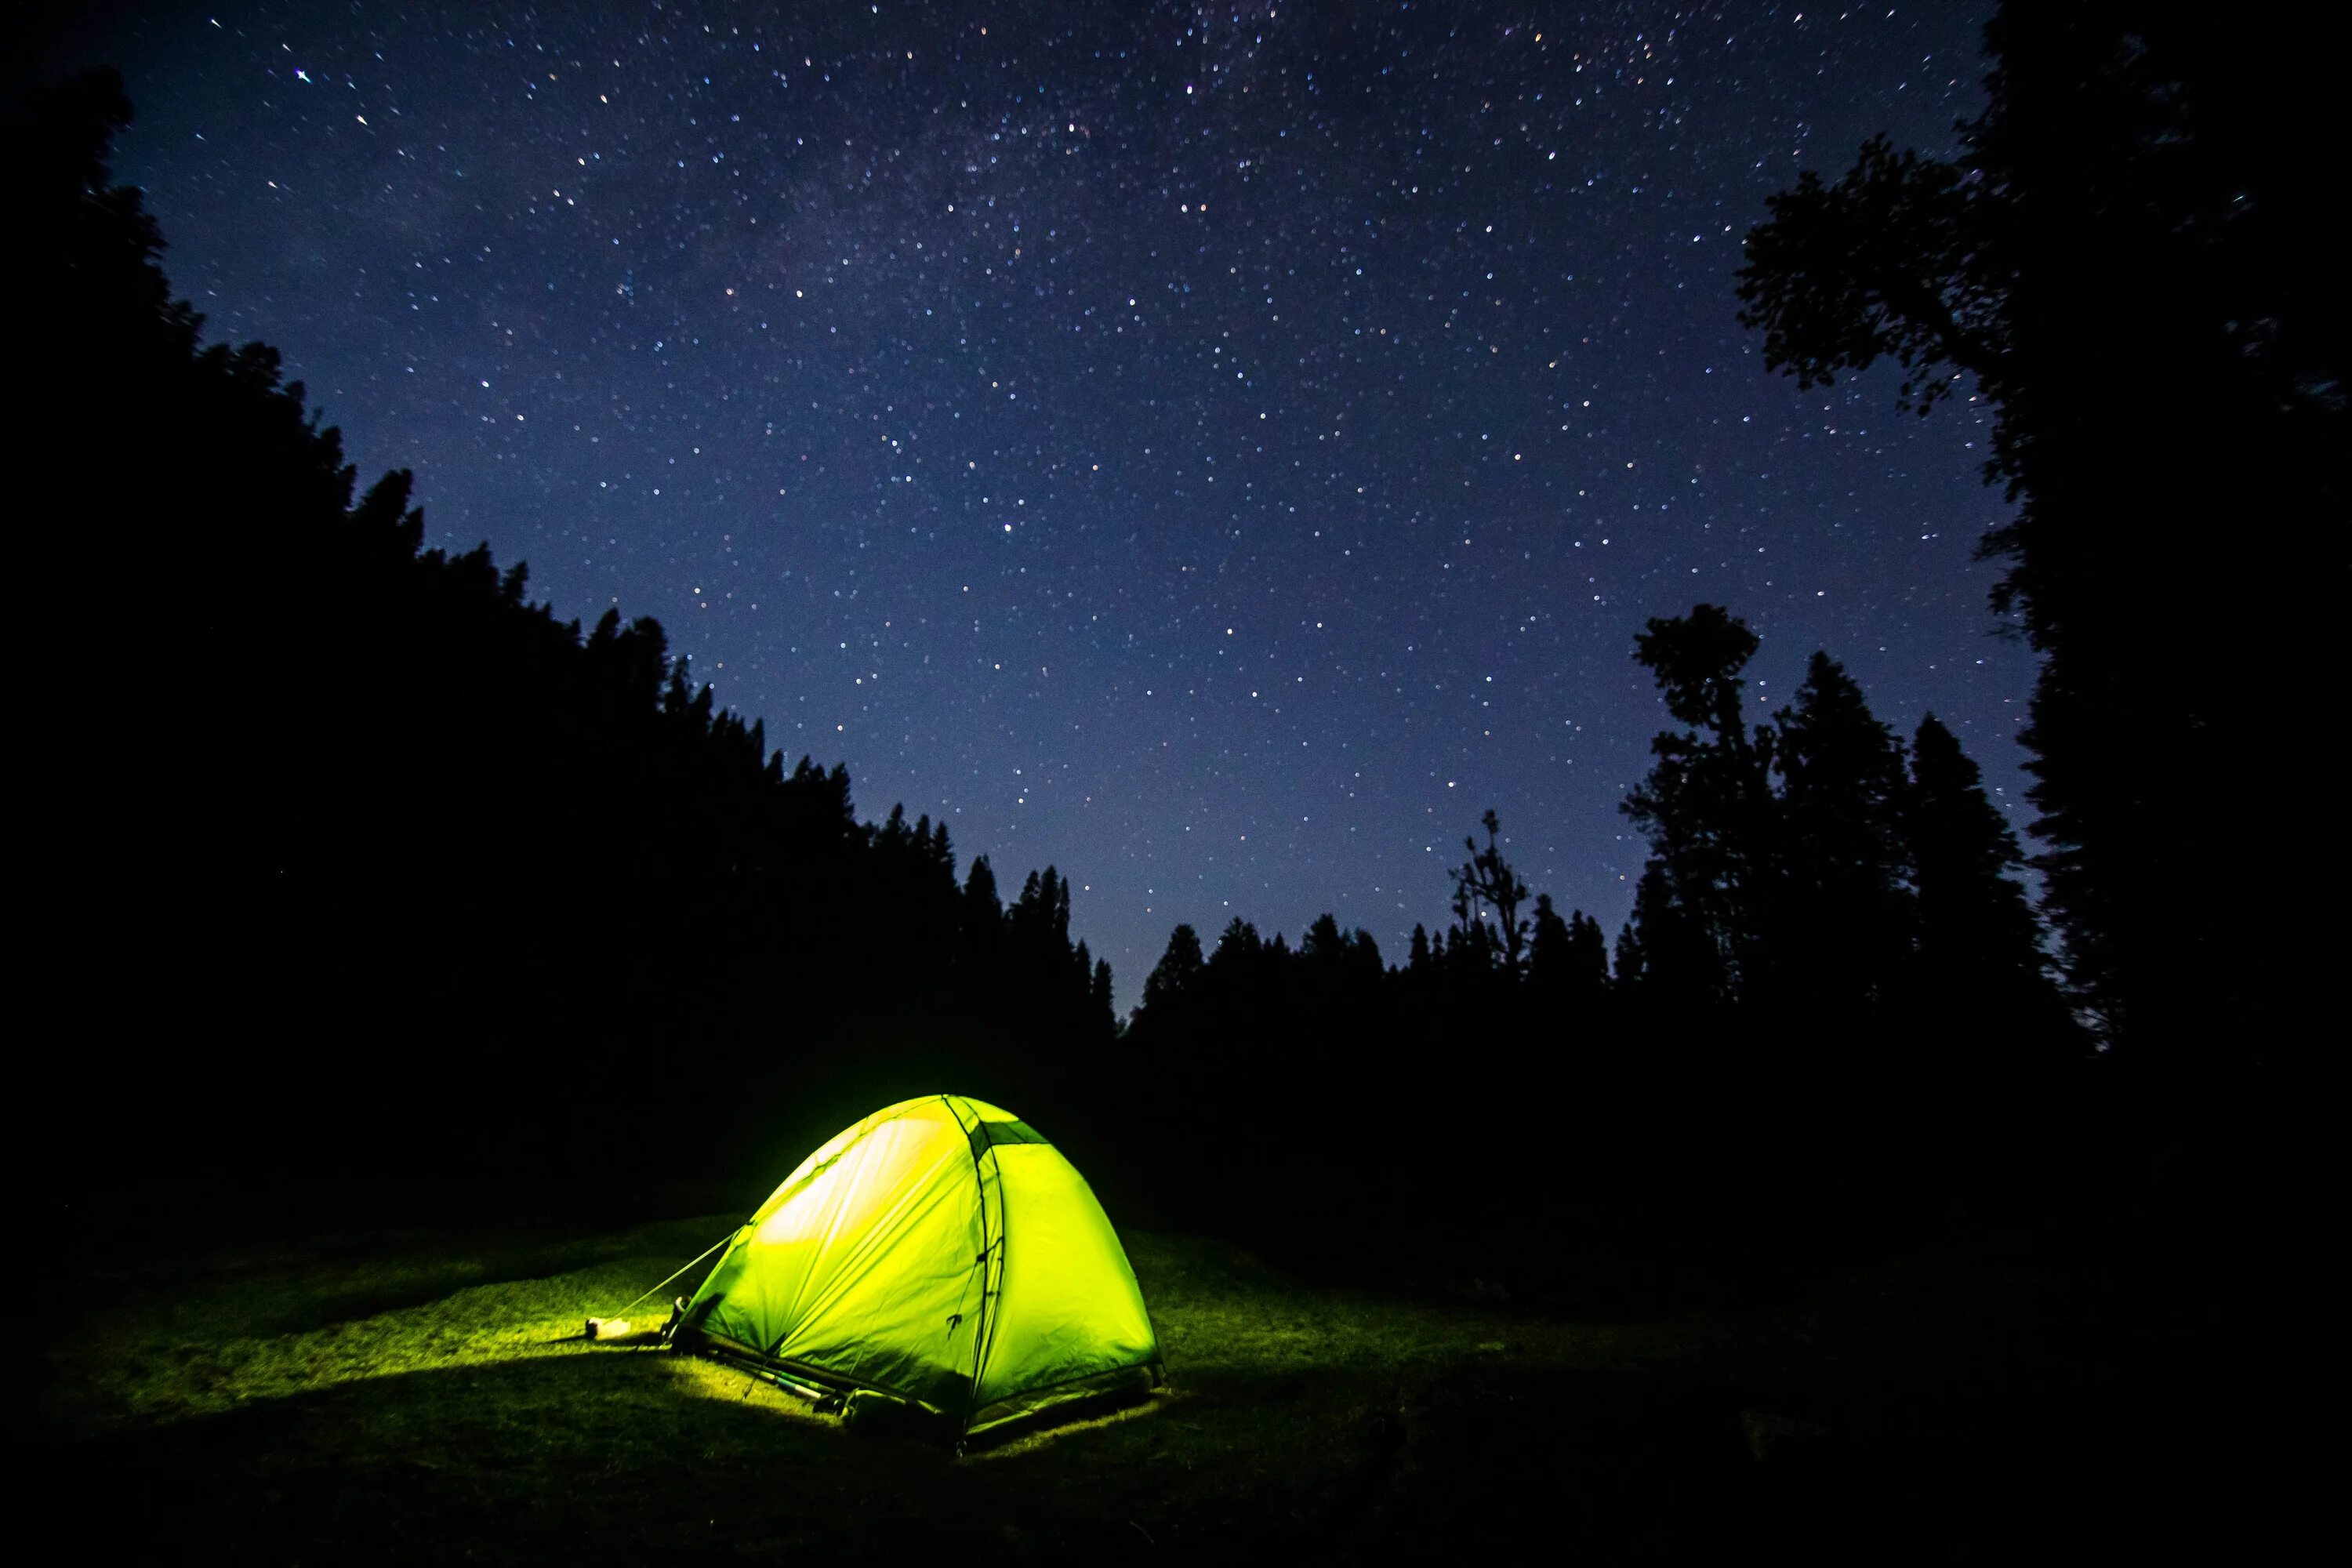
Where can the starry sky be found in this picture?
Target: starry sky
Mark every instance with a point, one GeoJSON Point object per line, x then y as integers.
{"type": "Point", "coordinates": [1217, 449]}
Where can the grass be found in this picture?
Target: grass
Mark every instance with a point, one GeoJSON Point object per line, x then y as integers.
{"type": "Point", "coordinates": [397, 1396]}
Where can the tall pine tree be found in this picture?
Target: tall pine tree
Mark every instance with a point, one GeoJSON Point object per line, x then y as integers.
{"type": "Point", "coordinates": [1708, 896]}
{"type": "Point", "coordinates": [1977, 932]}
{"type": "Point", "coordinates": [1843, 931]}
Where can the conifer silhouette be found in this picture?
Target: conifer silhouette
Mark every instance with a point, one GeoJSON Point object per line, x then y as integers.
{"type": "Point", "coordinates": [2133, 267]}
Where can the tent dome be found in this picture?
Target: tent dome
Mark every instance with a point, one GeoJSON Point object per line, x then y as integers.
{"type": "Point", "coordinates": [939, 1252]}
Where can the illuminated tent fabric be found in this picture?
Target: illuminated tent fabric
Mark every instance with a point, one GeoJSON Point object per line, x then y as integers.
{"type": "Point", "coordinates": [939, 1252]}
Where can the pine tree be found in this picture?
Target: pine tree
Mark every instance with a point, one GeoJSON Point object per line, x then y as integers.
{"type": "Point", "coordinates": [1177, 975]}
{"type": "Point", "coordinates": [1237, 951]}
{"type": "Point", "coordinates": [1588, 955]}
{"type": "Point", "coordinates": [1667, 954]}
{"type": "Point", "coordinates": [1487, 881]}
{"type": "Point", "coordinates": [1632, 969]}
{"type": "Point", "coordinates": [1844, 929]}
{"type": "Point", "coordinates": [980, 925]}
{"type": "Point", "coordinates": [1706, 905]}
{"type": "Point", "coordinates": [1548, 947]}
{"type": "Point", "coordinates": [1990, 1033]}
{"type": "Point", "coordinates": [1568, 960]}
{"type": "Point", "coordinates": [1977, 932]}
{"type": "Point", "coordinates": [1323, 940]}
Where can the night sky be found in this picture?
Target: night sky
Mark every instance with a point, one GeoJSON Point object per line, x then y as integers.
{"type": "Point", "coordinates": [1218, 450]}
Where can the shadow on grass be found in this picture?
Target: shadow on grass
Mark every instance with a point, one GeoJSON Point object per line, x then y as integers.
{"type": "Point", "coordinates": [608, 1456]}
{"type": "Point", "coordinates": [1981, 1403]}
{"type": "Point", "coordinates": [331, 1279]}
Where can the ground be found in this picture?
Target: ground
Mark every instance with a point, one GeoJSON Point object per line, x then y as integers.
{"type": "Point", "coordinates": [397, 1396]}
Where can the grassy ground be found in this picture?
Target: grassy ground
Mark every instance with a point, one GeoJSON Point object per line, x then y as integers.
{"type": "Point", "coordinates": [422, 1396]}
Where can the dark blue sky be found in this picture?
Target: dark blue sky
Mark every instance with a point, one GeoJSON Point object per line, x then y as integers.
{"type": "Point", "coordinates": [1218, 450]}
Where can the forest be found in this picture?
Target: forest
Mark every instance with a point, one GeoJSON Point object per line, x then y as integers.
{"type": "Point", "coordinates": [374, 863]}
{"type": "Point", "coordinates": [405, 962]}
{"type": "Point", "coordinates": [371, 862]}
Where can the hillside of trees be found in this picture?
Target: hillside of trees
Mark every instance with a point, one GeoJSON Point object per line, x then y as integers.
{"type": "Point", "coordinates": [347, 852]}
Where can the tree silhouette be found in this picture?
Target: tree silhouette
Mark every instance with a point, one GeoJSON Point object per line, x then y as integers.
{"type": "Point", "coordinates": [1708, 898]}
{"type": "Point", "coordinates": [1486, 881]}
{"type": "Point", "coordinates": [1238, 949]}
{"type": "Point", "coordinates": [2131, 264]}
{"type": "Point", "coordinates": [1568, 960]}
{"type": "Point", "coordinates": [1844, 886]}
{"type": "Point", "coordinates": [1098, 990]}
{"type": "Point", "coordinates": [1667, 950]}
{"type": "Point", "coordinates": [1974, 926]}
{"type": "Point", "coordinates": [1547, 944]}
{"type": "Point", "coordinates": [1588, 955]}
{"type": "Point", "coordinates": [1176, 974]}
{"type": "Point", "coordinates": [369, 788]}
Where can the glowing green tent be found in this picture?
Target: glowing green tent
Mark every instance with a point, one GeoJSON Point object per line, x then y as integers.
{"type": "Point", "coordinates": [941, 1253]}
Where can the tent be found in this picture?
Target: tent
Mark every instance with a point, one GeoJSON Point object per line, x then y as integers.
{"type": "Point", "coordinates": [938, 1254]}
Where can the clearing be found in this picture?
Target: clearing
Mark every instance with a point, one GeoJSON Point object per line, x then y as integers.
{"type": "Point", "coordinates": [425, 1394]}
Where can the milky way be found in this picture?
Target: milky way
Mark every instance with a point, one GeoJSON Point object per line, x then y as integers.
{"type": "Point", "coordinates": [1217, 450]}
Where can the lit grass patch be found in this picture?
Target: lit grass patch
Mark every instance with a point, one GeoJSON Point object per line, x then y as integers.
{"type": "Point", "coordinates": [208, 1341]}
{"type": "Point", "coordinates": [434, 1397]}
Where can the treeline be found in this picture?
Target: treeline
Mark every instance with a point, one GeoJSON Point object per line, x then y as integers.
{"type": "Point", "coordinates": [1831, 1020]}
{"type": "Point", "coordinates": [341, 849]}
